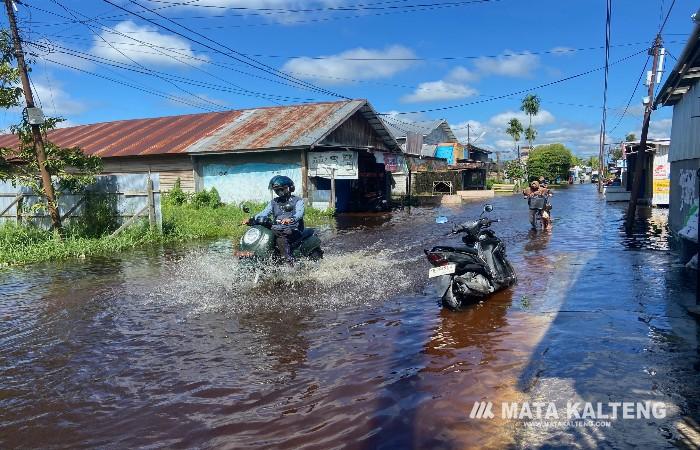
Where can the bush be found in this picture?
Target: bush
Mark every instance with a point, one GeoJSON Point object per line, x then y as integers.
{"type": "Point", "coordinates": [490, 183]}
{"type": "Point", "coordinates": [206, 199]}
{"type": "Point", "coordinates": [177, 196]}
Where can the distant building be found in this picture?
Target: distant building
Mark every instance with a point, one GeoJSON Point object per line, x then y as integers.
{"type": "Point", "coordinates": [419, 143]}
{"type": "Point", "coordinates": [682, 91]}
{"type": "Point", "coordinates": [432, 132]}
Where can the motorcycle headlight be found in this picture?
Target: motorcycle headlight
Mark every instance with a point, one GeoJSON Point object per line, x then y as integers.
{"type": "Point", "coordinates": [251, 236]}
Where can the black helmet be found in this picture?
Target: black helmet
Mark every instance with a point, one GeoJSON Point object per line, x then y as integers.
{"type": "Point", "coordinates": [280, 181]}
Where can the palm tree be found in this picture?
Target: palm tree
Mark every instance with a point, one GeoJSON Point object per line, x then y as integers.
{"type": "Point", "coordinates": [531, 107]}
{"type": "Point", "coordinates": [530, 135]}
{"type": "Point", "coordinates": [515, 128]}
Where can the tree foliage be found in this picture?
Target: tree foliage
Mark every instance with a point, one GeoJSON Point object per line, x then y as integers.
{"type": "Point", "coordinates": [530, 106]}
{"type": "Point", "coordinates": [530, 135]}
{"type": "Point", "coordinates": [549, 161]}
{"type": "Point", "coordinates": [514, 130]}
{"type": "Point", "coordinates": [71, 170]}
{"type": "Point", "coordinates": [631, 137]}
{"type": "Point", "coordinates": [514, 170]}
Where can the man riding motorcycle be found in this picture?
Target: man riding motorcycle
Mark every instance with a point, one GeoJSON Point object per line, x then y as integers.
{"type": "Point", "coordinates": [535, 190]}
{"type": "Point", "coordinates": [287, 212]}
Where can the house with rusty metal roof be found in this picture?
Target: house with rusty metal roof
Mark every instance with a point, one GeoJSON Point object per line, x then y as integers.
{"type": "Point", "coordinates": [337, 146]}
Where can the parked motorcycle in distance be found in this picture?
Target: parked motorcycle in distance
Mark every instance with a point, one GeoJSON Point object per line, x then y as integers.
{"type": "Point", "coordinates": [467, 274]}
{"type": "Point", "coordinates": [258, 243]}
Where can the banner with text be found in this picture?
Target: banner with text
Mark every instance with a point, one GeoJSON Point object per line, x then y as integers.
{"type": "Point", "coordinates": [343, 165]}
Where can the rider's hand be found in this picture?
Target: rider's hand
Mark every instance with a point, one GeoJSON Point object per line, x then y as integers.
{"type": "Point", "coordinates": [286, 221]}
{"type": "Point", "coordinates": [245, 222]}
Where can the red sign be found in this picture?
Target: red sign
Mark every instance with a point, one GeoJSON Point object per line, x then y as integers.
{"type": "Point", "coordinates": [391, 163]}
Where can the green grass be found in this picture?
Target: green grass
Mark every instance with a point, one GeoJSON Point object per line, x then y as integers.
{"type": "Point", "coordinates": [28, 244]}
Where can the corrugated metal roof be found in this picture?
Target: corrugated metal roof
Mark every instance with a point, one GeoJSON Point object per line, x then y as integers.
{"type": "Point", "coordinates": [400, 128]}
{"type": "Point", "coordinates": [287, 126]}
{"type": "Point", "coordinates": [239, 130]}
{"type": "Point", "coordinates": [160, 135]}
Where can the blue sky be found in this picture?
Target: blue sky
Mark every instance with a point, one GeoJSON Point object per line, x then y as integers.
{"type": "Point", "coordinates": [402, 55]}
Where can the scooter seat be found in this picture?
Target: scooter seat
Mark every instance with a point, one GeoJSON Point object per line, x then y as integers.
{"type": "Point", "coordinates": [460, 249]}
{"type": "Point", "coordinates": [466, 250]}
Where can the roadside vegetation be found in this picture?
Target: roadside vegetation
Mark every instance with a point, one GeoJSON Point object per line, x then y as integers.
{"type": "Point", "coordinates": [186, 217]}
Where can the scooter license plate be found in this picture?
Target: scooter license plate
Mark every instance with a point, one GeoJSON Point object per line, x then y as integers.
{"type": "Point", "coordinates": [442, 270]}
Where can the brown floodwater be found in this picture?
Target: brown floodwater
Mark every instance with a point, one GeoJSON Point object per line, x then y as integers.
{"type": "Point", "coordinates": [177, 347]}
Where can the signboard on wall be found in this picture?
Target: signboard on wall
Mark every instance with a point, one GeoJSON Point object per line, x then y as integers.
{"type": "Point", "coordinates": [391, 163]}
{"type": "Point", "coordinates": [661, 182]}
{"type": "Point", "coordinates": [342, 165]}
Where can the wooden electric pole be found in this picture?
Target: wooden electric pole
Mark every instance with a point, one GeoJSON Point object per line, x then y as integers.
{"type": "Point", "coordinates": [640, 161]}
{"type": "Point", "coordinates": [36, 130]}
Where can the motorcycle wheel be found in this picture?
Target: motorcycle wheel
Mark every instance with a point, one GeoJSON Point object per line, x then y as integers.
{"type": "Point", "coordinates": [449, 299]}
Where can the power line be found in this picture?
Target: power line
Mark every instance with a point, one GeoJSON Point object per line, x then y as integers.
{"type": "Point", "coordinates": [191, 57]}
{"type": "Point", "coordinates": [551, 83]}
{"type": "Point", "coordinates": [152, 73]}
{"type": "Point", "coordinates": [416, 8]}
{"type": "Point", "coordinates": [117, 17]}
{"type": "Point", "coordinates": [432, 58]}
{"type": "Point", "coordinates": [634, 92]}
{"type": "Point", "coordinates": [138, 88]}
{"type": "Point", "coordinates": [256, 64]}
{"type": "Point", "coordinates": [670, 8]}
{"type": "Point", "coordinates": [141, 70]}
{"type": "Point", "coordinates": [118, 64]}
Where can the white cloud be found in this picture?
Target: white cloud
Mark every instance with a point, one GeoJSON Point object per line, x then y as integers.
{"type": "Point", "coordinates": [544, 117]}
{"type": "Point", "coordinates": [55, 101]}
{"type": "Point", "coordinates": [433, 91]}
{"type": "Point", "coordinates": [584, 140]}
{"type": "Point", "coordinates": [358, 64]}
{"type": "Point", "coordinates": [659, 129]}
{"type": "Point", "coordinates": [462, 75]}
{"type": "Point", "coordinates": [171, 50]}
{"type": "Point", "coordinates": [509, 64]}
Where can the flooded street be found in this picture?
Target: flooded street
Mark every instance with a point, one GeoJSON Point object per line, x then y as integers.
{"type": "Point", "coordinates": [179, 349]}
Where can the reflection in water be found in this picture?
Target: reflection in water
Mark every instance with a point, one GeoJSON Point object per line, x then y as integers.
{"type": "Point", "coordinates": [179, 348]}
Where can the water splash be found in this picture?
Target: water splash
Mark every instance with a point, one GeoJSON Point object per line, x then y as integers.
{"type": "Point", "coordinates": [204, 281]}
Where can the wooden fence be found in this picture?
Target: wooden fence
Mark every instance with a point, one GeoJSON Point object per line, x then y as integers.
{"type": "Point", "coordinates": [135, 195]}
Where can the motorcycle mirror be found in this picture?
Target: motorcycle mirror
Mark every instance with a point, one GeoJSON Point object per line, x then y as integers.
{"type": "Point", "coordinates": [287, 208]}
{"type": "Point", "coordinates": [246, 209]}
{"type": "Point", "coordinates": [441, 219]}
{"type": "Point", "coordinates": [488, 207]}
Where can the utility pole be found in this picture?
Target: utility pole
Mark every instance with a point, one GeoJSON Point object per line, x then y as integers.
{"type": "Point", "coordinates": [36, 130]}
{"type": "Point", "coordinates": [468, 136]}
{"type": "Point", "coordinates": [640, 161]}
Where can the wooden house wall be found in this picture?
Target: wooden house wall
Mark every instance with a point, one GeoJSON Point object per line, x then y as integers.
{"type": "Point", "coordinates": [355, 132]}
{"type": "Point", "coordinates": [170, 168]}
